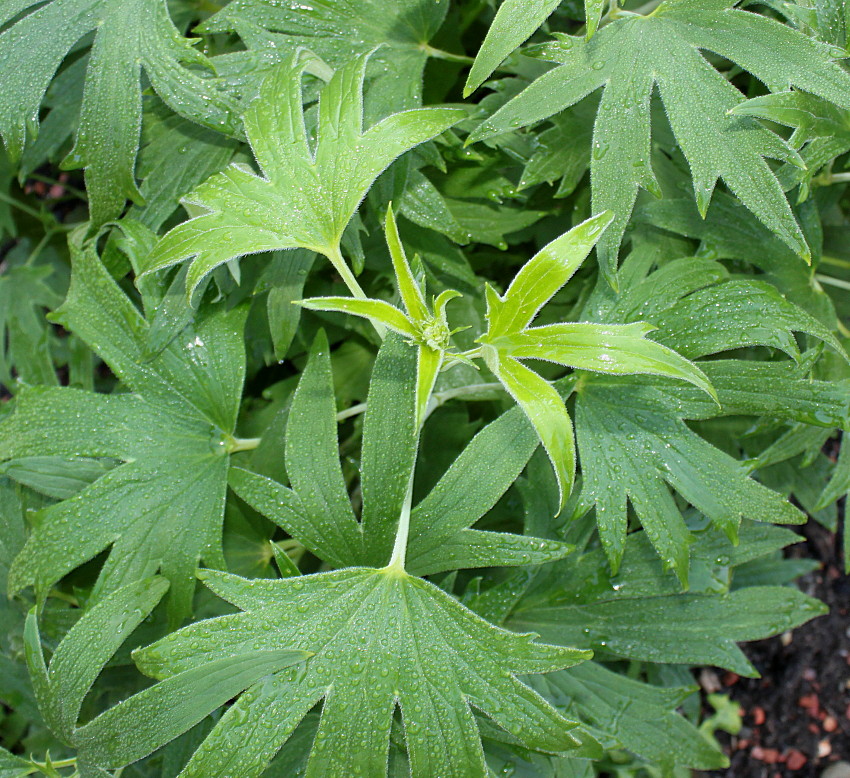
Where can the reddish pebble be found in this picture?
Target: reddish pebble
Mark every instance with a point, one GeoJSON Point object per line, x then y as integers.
{"type": "Point", "coordinates": [742, 744]}
{"type": "Point", "coordinates": [758, 716]}
{"type": "Point", "coordinates": [730, 679]}
{"type": "Point", "coordinates": [795, 760]}
{"type": "Point", "coordinates": [830, 724]}
{"type": "Point", "coordinates": [813, 728]}
{"type": "Point", "coordinates": [766, 755]}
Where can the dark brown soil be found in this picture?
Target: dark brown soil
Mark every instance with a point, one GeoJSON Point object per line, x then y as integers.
{"type": "Point", "coordinates": [797, 715]}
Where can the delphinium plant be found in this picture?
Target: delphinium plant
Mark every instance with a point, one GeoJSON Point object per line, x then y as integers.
{"type": "Point", "coordinates": [410, 388]}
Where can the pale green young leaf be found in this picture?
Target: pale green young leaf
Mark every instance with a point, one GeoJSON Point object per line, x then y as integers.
{"type": "Point", "coordinates": [130, 35]}
{"type": "Point", "coordinates": [408, 288]}
{"type": "Point", "coordinates": [515, 22]}
{"type": "Point", "coordinates": [305, 197]}
{"type": "Point", "coordinates": [543, 275]}
{"type": "Point", "coordinates": [377, 311]}
{"type": "Point", "coordinates": [633, 54]}
{"type": "Point", "coordinates": [603, 348]}
{"type": "Point", "coordinates": [172, 432]}
{"type": "Point", "coordinates": [379, 639]}
{"type": "Point", "coordinates": [546, 411]}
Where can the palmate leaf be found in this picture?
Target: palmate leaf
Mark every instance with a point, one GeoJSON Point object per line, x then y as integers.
{"type": "Point", "coordinates": [305, 197]}
{"type": "Point", "coordinates": [317, 509]}
{"type": "Point", "coordinates": [23, 336]}
{"type": "Point", "coordinates": [639, 613]}
{"type": "Point", "coordinates": [380, 638]}
{"type": "Point", "coordinates": [172, 432]}
{"type": "Point", "coordinates": [130, 35]}
{"type": "Point", "coordinates": [631, 56]}
{"type": "Point", "coordinates": [632, 438]}
{"type": "Point", "coordinates": [340, 31]}
{"type": "Point", "coordinates": [145, 721]}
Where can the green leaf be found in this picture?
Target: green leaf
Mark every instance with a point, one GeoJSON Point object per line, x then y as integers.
{"type": "Point", "coordinates": [734, 314]}
{"type": "Point", "coordinates": [546, 411]}
{"type": "Point", "coordinates": [439, 536]}
{"type": "Point", "coordinates": [321, 515]}
{"type": "Point", "coordinates": [172, 432]}
{"type": "Point", "coordinates": [398, 29]}
{"type": "Point", "coordinates": [305, 197]}
{"type": "Point", "coordinates": [130, 35]}
{"type": "Point", "coordinates": [543, 275]}
{"type": "Point", "coordinates": [639, 717]}
{"type": "Point", "coordinates": [632, 443]}
{"type": "Point", "coordinates": [603, 348]}
{"type": "Point", "coordinates": [514, 23]}
{"type": "Point", "coordinates": [640, 612]}
{"type": "Point", "coordinates": [24, 344]}
{"type": "Point", "coordinates": [390, 444]}
{"type": "Point", "coordinates": [633, 54]}
{"type": "Point", "coordinates": [380, 638]}
{"type": "Point", "coordinates": [84, 651]}
{"type": "Point", "coordinates": [141, 724]}
{"type": "Point", "coordinates": [693, 629]}
{"type": "Point", "coordinates": [12, 766]}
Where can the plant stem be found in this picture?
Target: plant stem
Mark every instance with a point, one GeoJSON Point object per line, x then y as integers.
{"type": "Point", "coordinates": [445, 55]}
{"type": "Point", "coordinates": [437, 399]}
{"type": "Point", "coordinates": [836, 178]}
{"type": "Point", "coordinates": [830, 281]}
{"type": "Point", "coordinates": [20, 206]}
{"type": "Point", "coordinates": [335, 256]}
{"type": "Point", "coordinates": [242, 444]}
{"type": "Point", "coordinates": [399, 554]}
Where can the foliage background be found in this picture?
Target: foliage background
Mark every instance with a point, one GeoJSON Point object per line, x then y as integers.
{"type": "Point", "coordinates": [139, 102]}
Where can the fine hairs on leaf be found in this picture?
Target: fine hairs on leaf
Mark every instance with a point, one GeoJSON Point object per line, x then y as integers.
{"type": "Point", "coordinates": [485, 492]}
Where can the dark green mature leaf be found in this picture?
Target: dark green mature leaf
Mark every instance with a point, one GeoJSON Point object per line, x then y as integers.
{"type": "Point", "coordinates": [380, 639]}
{"type": "Point", "coordinates": [172, 431]}
{"type": "Point", "coordinates": [130, 35]}
{"type": "Point", "coordinates": [305, 197]}
{"type": "Point", "coordinates": [146, 721]}
{"type": "Point", "coordinates": [339, 32]}
{"type": "Point", "coordinates": [23, 334]}
{"type": "Point", "coordinates": [640, 614]}
{"type": "Point", "coordinates": [317, 510]}
{"type": "Point", "coordinates": [634, 715]}
{"type": "Point", "coordinates": [514, 24]}
{"type": "Point", "coordinates": [12, 766]}
{"type": "Point", "coordinates": [633, 54]}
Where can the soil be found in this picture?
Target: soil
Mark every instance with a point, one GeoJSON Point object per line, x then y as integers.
{"type": "Point", "coordinates": [796, 717]}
